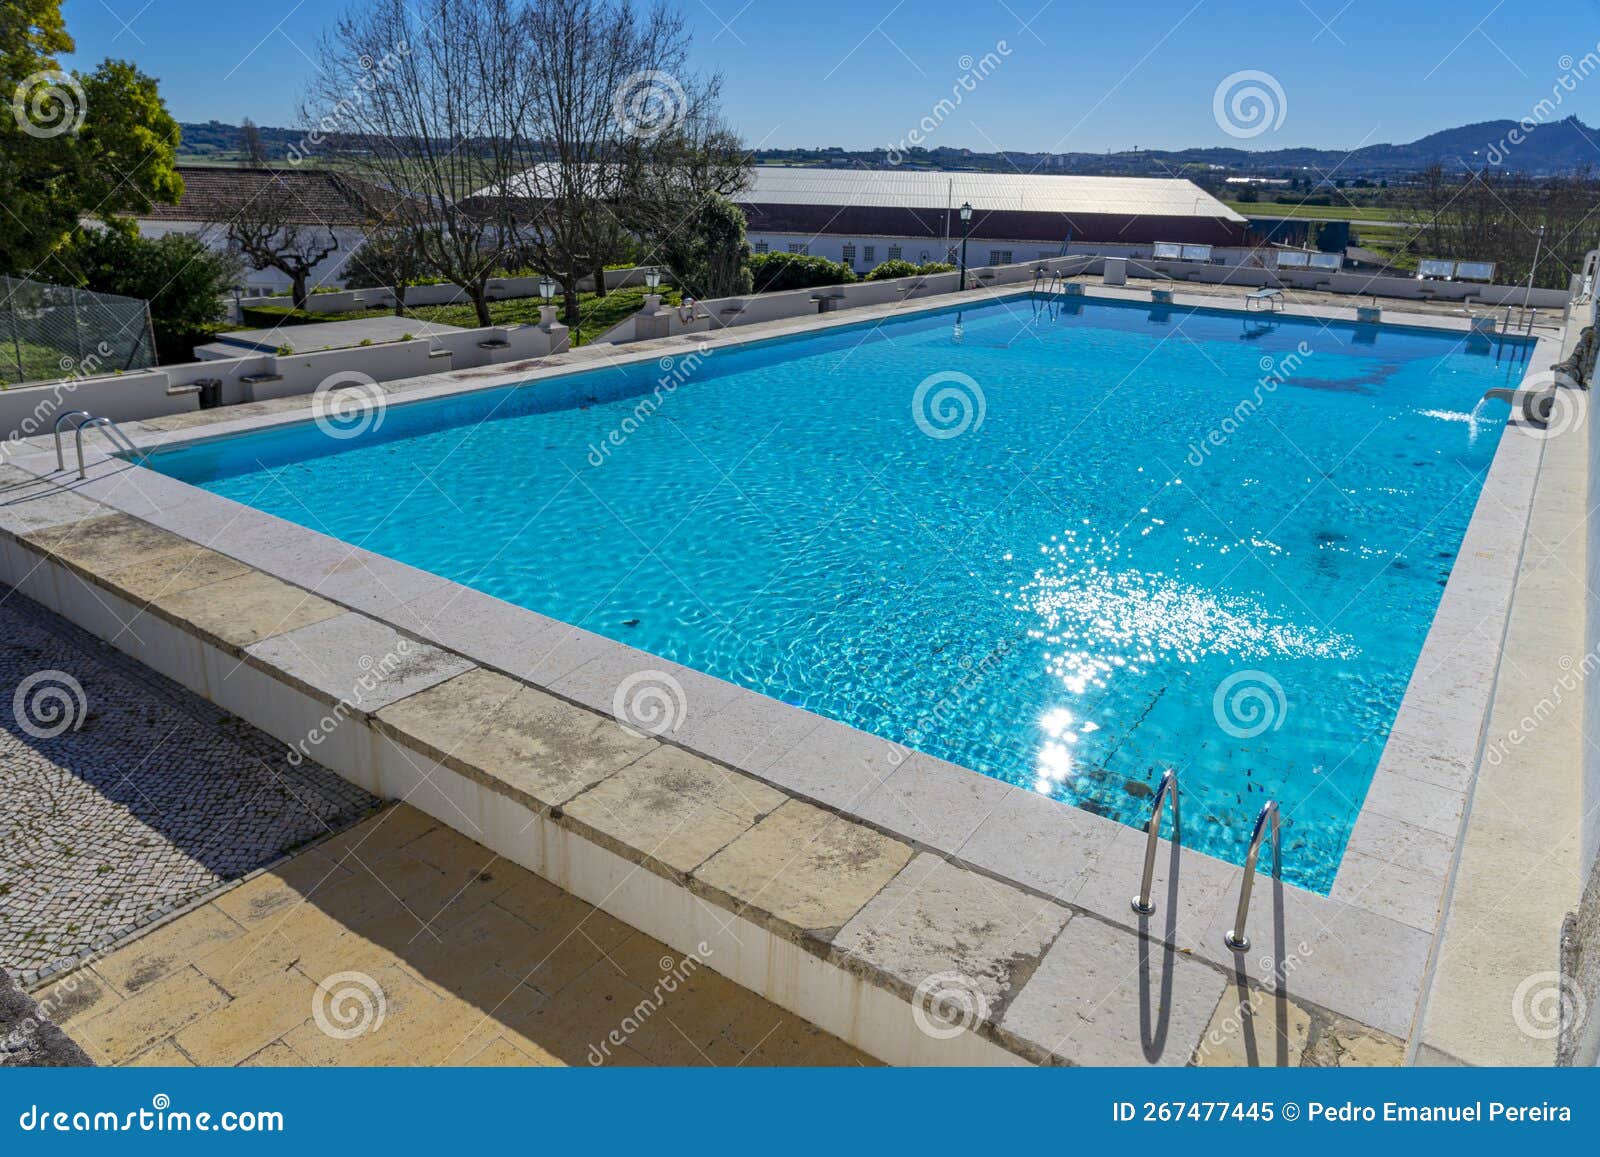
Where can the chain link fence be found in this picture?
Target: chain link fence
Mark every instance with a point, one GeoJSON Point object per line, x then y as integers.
{"type": "Point", "coordinates": [49, 332]}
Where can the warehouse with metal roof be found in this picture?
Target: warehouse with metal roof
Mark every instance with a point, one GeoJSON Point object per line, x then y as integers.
{"type": "Point", "coordinates": [864, 216]}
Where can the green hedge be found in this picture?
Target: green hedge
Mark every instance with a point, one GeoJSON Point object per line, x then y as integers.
{"type": "Point", "coordinates": [775, 272]}
{"type": "Point", "coordinates": [892, 269]}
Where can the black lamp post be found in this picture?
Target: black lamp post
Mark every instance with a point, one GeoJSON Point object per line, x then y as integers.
{"type": "Point", "coordinates": [966, 231]}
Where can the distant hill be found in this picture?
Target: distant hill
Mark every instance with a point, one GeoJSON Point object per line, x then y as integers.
{"type": "Point", "coordinates": [1556, 147]}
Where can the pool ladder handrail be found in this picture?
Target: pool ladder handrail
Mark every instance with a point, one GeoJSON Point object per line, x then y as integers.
{"type": "Point", "coordinates": [113, 433]}
{"type": "Point", "coordinates": [1144, 904]}
{"type": "Point", "coordinates": [1235, 938]}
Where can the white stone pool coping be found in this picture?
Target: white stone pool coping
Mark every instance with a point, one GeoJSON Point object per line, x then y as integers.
{"type": "Point", "coordinates": [1361, 952]}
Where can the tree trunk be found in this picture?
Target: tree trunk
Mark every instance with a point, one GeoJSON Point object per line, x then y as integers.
{"type": "Point", "coordinates": [302, 292]}
{"type": "Point", "coordinates": [480, 303]}
{"type": "Point", "coordinates": [600, 279]}
{"type": "Point", "coordinates": [399, 301]}
{"type": "Point", "coordinates": [571, 316]}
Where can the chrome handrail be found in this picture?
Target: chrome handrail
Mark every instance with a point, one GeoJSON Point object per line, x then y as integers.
{"type": "Point", "coordinates": [61, 462]}
{"type": "Point", "coordinates": [1142, 903]}
{"type": "Point", "coordinates": [114, 435]}
{"type": "Point", "coordinates": [1235, 938]}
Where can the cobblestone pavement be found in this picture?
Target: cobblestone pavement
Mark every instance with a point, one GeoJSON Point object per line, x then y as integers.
{"type": "Point", "coordinates": [125, 796]}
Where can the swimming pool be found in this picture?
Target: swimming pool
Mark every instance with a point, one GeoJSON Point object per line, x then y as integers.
{"type": "Point", "coordinates": [1066, 544]}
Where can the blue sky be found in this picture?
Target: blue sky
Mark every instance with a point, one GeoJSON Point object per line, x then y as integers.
{"type": "Point", "coordinates": [1072, 76]}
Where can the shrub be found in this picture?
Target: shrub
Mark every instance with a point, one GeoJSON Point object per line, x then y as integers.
{"type": "Point", "coordinates": [776, 272]}
{"type": "Point", "coordinates": [897, 268]}
{"type": "Point", "coordinates": [183, 279]}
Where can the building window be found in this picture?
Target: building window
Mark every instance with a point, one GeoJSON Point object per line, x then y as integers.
{"type": "Point", "coordinates": [849, 257]}
{"type": "Point", "coordinates": [999, 257]}
{"type": "Point", "coordinates": [869, 254]}
{"type": "Point", "coordinates": [799, 247]}
{"type": "Point", "coordinates": [894, 253]}
{"type": "Point", "coordinates": [759, 247]}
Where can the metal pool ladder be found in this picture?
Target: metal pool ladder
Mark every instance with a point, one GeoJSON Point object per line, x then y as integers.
{"type": "Point", "coordinates": [88, 421]}
{"type": "Point", "coordinates": [1235, 938]}
{"type": "Point", "coordinates": [1143, 903]}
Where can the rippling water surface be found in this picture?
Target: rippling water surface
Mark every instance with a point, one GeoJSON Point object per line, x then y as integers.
{"type": "Point", "coordinates": [1067, 548]}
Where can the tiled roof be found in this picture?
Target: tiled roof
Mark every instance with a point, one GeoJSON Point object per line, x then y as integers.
{"type": "Point", "coordinates": [313, 195]}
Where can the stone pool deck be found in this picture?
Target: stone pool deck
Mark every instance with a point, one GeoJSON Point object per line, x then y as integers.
{"type": "Point", "coordinates": [861, 886]}
{"type": "Point", "coordinates": [401, 942]}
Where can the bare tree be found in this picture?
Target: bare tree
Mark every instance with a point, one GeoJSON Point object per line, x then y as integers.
{"type": "Point", "coordinates": [270, 227]}
{"type": "Point", "coordinates": [413, 97]}
{"type": "Point", "coordinates": [602, 88]}
{"type": "Point", "coordinates": [389, 258]}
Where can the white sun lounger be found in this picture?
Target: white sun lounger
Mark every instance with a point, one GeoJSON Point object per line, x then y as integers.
{"type": "Point", "coordinates": [1268, 297]}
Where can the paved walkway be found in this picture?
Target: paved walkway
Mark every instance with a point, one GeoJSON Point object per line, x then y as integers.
{"type": "Point", "coordinates": [126, 796]}
{"type": "Point", "coordinates": [401, 942]}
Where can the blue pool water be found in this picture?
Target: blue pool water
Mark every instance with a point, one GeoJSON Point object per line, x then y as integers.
{"type": "Point", "coordinates": [1191, 540]}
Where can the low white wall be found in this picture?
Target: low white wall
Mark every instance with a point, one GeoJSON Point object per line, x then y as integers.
{"type": "Point", "coordinates": [26, 411]}
{"type": "Point", "coordinates": [498, 288]}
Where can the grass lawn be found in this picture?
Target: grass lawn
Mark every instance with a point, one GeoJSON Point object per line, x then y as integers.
{"type": "Point", "coordinates": [598, 313]}
{"type": "Point", "coordinates": [1320, 212]}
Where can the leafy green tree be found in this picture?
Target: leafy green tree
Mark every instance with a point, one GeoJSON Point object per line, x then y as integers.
{"type": "Point", "coordinates": [184, 280]}
{"type": "Point", "coordinates": [75, 146]}
{"type": "Point", "coordinates": [888, 270]}
{"type": "Point", "coordinates": [712, 259]}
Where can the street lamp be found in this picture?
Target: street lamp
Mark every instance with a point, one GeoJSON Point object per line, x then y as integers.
{"type": "Point", "coordinates": [652, 279]}
{"type": "Point", "coordinates": [966, 231]}
{"type": "Point", "coordinates": [547, 288]}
